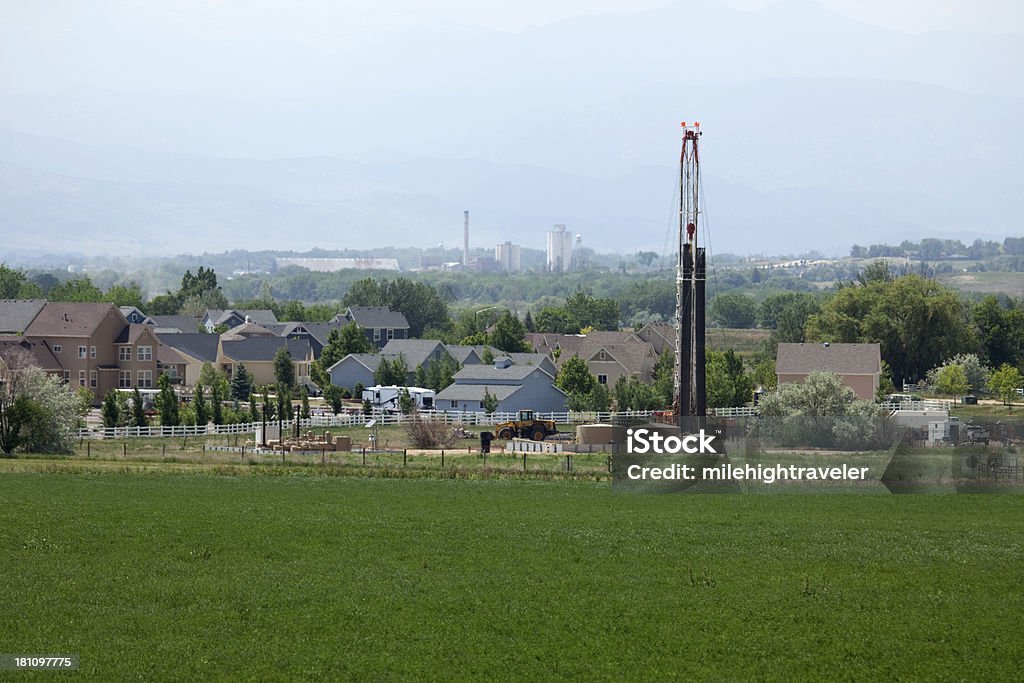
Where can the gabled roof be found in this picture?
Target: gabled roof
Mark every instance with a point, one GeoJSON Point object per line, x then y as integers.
{"type": "Point", "coordinates": [462, 353]}
{"type": "Point", "coordinates": [131, 333]}
{"type": "Point", "coordinates": [262, 349]}
{"type": "Point", "coordinates": [320, 331]}
{"type": "Point", "coordinates": [479, 373]}
{"type": "Point", "coordinates": [370, 361]}
{"type": "Point", "coordinates": [198, 345]}
{"type": "Point", "coordinates": [262, 316]}
{"type": "Point", "coordinates": [71, 319]}
{"type": "Point", "coordinates": [173, 324]}
{"type": "Point", "coordinates": [249, 329]}
{"type": "Point", "coordinates": [17, 314]}
{"type": "Point", "coordinates": [166, 355]}
{"type": "Point", "coordinates": [415, 352]}
{"type": "Point", "coordinates": [475, 392]}
{"type": "Point", "coordinates": [372, 317]}
{"type": "Point", "coordinates": [128, 311]}
{"type": "Point", "coordinates": [39, 352]}
{"type": "Point", "coordinates": [842, 359]}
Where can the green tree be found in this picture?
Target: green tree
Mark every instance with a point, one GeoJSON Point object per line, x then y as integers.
{"type": "Point", "coordinates": [422, 304]}
{"type": "Point", "coordinates": [599, 314]}
{"type": "Point", "coordinates": [340, 343]}
{"type": "Point", "coordinates": [405, 402]}
{"type": "Point", "coordinates": [1005, 381]}
{"type": "Point", "coordinates": [508, 334]}
{"type": "Point", "coordinates": [304, 395]}
{"type": "Point", "coordinates": [487, 357]}
{"type": "Point", "coordinates": [254, 415]}
{"type": "Point", "coordinates": [217, 404]}
{"type": "Point", "coordinates": [199, 406]}
{"type": "Point", "coordinates": [79, 289]}
{"type": "Point", "coordinates": [733, 310]}
{"type": "Point", "coordinates": [528, 322]}
{"type": "Point", "coordinates": [952, 379]}
{"type": "Point", "coordinates": [284, 369]}
{"type": "Point", "coordinates": [917, 322]}
{"type": "Point", "coordinates": [490, 402]}
{"type": "Point", "coordinates": [557, 320]}
{"type": "Point", "coordinates": [138, 410]}
{"type": "Point", "coordinates": [37, 413]}
{"type": "Point", "coordinates": [726, 382]}
{"type": "Point", "coordinates": [632, 394]}
{"type": "Point", "coordinates": [124, 295]}
{"type": "Point", "coordinates": [167, 402]}
{"type": "Point", "coordinates": [241, 383]}
{"type": "Point", "coordinates": [575, 380]}
{"type": "Point", "coordinates": [111, 415]}
{"type": "Point", "coordinates": [332, 394]}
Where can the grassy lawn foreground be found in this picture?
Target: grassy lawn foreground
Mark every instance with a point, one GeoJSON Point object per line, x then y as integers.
{"type": "Point", "coordinates": [160, 576]}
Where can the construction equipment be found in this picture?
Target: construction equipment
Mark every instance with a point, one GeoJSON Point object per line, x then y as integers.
{"type": "Point", "coordinates": [526, 427]}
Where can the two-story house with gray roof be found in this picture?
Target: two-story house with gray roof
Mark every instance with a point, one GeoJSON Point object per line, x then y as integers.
{"type": "Point", "coordinates": [380, 324]}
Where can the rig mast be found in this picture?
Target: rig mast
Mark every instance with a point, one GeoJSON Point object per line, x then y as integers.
{"type": "Point", "coordinates": [690, 395]}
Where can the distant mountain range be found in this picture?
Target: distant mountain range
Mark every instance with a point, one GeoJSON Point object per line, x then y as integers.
{"type": "Point", "coordinates": [820, 132]}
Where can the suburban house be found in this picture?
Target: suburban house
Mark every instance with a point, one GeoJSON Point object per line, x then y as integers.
{"type": "Point", "coordinates": [96, 347]}
{"type": "Point", "coordinates": [315, 333]}
{"type": "Point", "coordinates": [17, 314]}
{"type": "Point", "coordinates": [194, 349]}
{"type": "Point", "coordinates": [517, 387]}
{"type": "Point", "coordinates": [359, 368]}
{"type": "Point", "coordinates": [608, 355]}
{"type": "Point", "coordinates": [353, 369]}
{"type": "Point", "coordinates": [661, 336]}
{"type": "Point", "coordinates": [257, 354]}
{"type": "Point", "coordinates": [173, 364]}
{"type": "Point", "coordinates": [38, 353]}
{"type": "Point", "coordinates": [214, 318]}
{"type": "Point", "coordinates": [380, 324]}
{"type": "Point", "coordinates": [858, 365]}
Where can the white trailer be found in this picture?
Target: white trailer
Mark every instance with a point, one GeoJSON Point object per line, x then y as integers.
{"type": "Point", "coordinates": [387, 397]}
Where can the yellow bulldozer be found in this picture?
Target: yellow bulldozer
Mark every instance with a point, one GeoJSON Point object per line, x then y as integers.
{"type": "Point", "coordinates": [526, 427]}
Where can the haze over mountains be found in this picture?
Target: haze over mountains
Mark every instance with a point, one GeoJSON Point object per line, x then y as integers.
{"type": "Point", "coordinates": [820, 131]}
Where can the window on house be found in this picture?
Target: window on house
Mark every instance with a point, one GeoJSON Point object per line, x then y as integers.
{"type": "Point", "coordinates": [81, 378]}
{"type": "Point", "coordinates": [391, 334]}
{"type": "Point", "coordinates": [124, 379]}
{"type": "Point", "coordinates": [81, 352]}
{"type": "Point", "coordinates": [92, 352]}
{"type": "Point", "coordinates": [92, 379]}
{"type": "Point", "coordinates": [172, 371]}
{"type": "Point", "coordinates": [376, 334]}
{"type": "Point", "coordinates": [57, 348]}
{"type": "Point", "coordinates": [67, 377]}
{"type": "Point", "coordinates": [603, 356]}
{"type": "Point", "coordinates": [145, 379]}
{"type": "Point", "coordinates": [124, 353]}
{"type": "Point", "coordinates": [602, 379]}
{"type": "Point", "coordinates": [145, 352]}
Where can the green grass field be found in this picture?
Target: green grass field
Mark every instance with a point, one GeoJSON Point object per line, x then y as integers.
{"type": "Point", "coordinates": [186, 576]}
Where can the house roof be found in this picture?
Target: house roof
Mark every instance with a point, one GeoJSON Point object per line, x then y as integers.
{"type": "Point", "coordinates": [842, 359]}
{"type": "Point", "coordinates": [198, 345]}
{"type": "Point", "coordinates": [17, 314]}
{"type": "Point", "coordinates": [371, 317]}
{"type": "Point", "coordinates": [127, 311]}
{"type": "Point", "coordinates": [489, 372]}
{"type": "Point", "coordinates": [71, 319]}
{"type": "Point", "coordinates": [257, 349]}
{"type": "Point", "coordinates": [166, 355]}
{"type": "Point", "coordinates": [475, 392]}
{"type": "Point", "coordinates": [415, 352]}
{"type": "Point", "coordinates": [320, 331]}
{"type": "Point", "coordinates": [262, 316]}
{"type": "Point", "coordinates": [167, 324]}
{"type": "Point", "coordinates": [462, 352]}
{"type": "Point", "coordinates": [131, 333]}
{"type": "Point", "coordinates": [370, 361]}
{"type": "Point", "coordinates": [38, 351]}
{"type": "Point", "coordinates": [248, 329]}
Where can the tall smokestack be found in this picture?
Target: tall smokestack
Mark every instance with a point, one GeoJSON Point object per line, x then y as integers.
{"type": "Point", "coordinates": [465, 241]}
